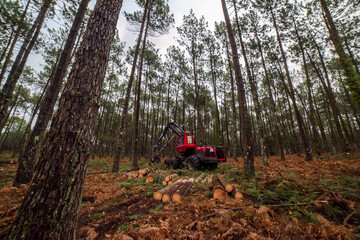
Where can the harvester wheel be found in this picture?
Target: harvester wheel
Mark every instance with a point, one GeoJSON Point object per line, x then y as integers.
{"type": "Point", "coordinates": [194, 163]}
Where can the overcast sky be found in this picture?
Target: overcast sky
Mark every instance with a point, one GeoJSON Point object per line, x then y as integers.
{"type": "Point", "coordinates": [210, 9]}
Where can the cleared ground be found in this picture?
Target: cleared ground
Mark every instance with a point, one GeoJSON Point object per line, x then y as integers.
{"type": "Point", "coordinates": [294, 199]}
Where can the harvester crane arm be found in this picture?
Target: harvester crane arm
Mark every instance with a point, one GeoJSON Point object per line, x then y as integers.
{"type": "Point", "coordinates": [158, 147]}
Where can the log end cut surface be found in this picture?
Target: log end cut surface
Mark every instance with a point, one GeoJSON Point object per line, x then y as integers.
{"type": "Point", "coordinates": [219, 194]}
{"type": "Point", "coordinates": [158, 196]}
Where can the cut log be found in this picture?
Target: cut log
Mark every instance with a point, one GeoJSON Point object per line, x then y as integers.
{"type": "Point", "coordinates": [140, 176]}
{"type": "Point", "coordinates": [164, 183]}
{"type": "Point", "coordinates": [167, 195]}
{"type": "Point", "coordinates": [135, 174]}
{"type": "Point", "coordinates": [173, 180]}
{"type": "Point", "coordinates": [237, 194]}
{"type": "Point", "coordinates": [145, 171]}
{"type": "Point", "coordinates": [158, 194]}
{"type": "Point", "coordinates": [170, 177]}
{"type": "Point", "coordinates": [218, 190]}
{"type": "Point", "coordinates": [208, 179]}
{"type": "Point", "coordinates": [182, 190]}
{"type": "Point", "coordinates": [228, 187]}
{"type": "Point", "coordinates": [198, 179]}
{"type": "Point", "coordinates": [149, 179]}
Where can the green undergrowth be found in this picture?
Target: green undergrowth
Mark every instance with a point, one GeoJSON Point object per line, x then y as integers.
{"type": "Point", "coordinates": [97, 215]}
{"type": "Point", "coordinates": [99, 165]}
{"type": "Point", "coordinates": [157, 209]}
{"type": "Point", "coordinates": [348, 187]}
{"type": "Point", "coordinates": [281, 191]}
{"type": "Point", "coordinates": [305, 216]}
{"type": "Point", "coordinates": [134, 217]}
{"type": "Point", "coordinates": [7, 177]}
{"type": "Point", "coordinates": [130, 183]}
{"type": "Point", "coordinates": [5, 157]}
{"type": "Point", "coordinates": [123, 228]}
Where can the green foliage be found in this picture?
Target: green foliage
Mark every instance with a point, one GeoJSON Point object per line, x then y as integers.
{"type": "Point", "coordinates": [344, 157]}
{"type": "Point", "coordinates": [305, 216]}
{"type": "Point", "coordinates": [157, 208]}
{"type": "Point", "coordinates": [349, 181]}
{"type": "Point", "coordinates": [97, 215]}
{"type": "Point", "coordinates": [297, 214]}
{"type": "Point", "coordinates": [331, 211]}
{"type": "Point", "coordinates": [130, 183]}
{"type": "Point", "coordinates": [149, 194]}
{"type": "Point", "coordinates": [126, 167]}
{"type": "Point", "coordinates": [253, 191]}
{"type": "Point", "coordinates": [290, 173]}
{"type": "Point", "coordinates": [3, 183]}
{"type": "Point", "coordinates": [123, 228]}
{"type": "Point", "coordinates": [208, 194]}
{"type": "Point", "coordinates": [99, 164]}
{"type": "Point", "coordinates": [134, 217]}
{"type": "Point", "coordinates": [309, 217]}
{"type": "Point", "coordinates": [126, 184]}
{"type": "Point", "coordinates": [326, 182]}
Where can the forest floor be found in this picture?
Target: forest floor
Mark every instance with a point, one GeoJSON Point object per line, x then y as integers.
{"type": "Point", "coordinates": [294, 199]}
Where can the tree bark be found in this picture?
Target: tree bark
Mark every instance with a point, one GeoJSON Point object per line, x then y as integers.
{"type": "Point", "coordinates": [28, 159]}
{"type": "Point", "coordinates": [244, 115]}
{"type": "Point", "coordinates": [51, 205]}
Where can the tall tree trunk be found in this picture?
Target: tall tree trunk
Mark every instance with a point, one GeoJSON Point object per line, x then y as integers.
{"type": "Point", "coordinates": [317, 145]}
{"type": "Point", "coordinates": [199, 122]}
{"type": "Point", "coordinates": [217, 128]}
{"type": "Point", "coordinates": [137, 106]}
{"type": "Point", "coordinates": [253, 91]}
{"type": "Point", "coordinates": [299, 119]}
{"type": "Point", "coordinates": [14, 107]}
{"type": "Point", "coordinates": [29, 158]}
{"type": "Point", "coordinates": [236, 150]}
{"type": "Point", "coordinates": [274, 116]}
{"type": "Point", "coordinates": [20, 61]}
{"type": "Point", "coordinates": [352, 78]}
{"type": "Point", "coordinates": [341, 145]}
{"type": "Point", "coordinates": [249, 168]}
{"type": "Point", "coordinates": [14, 41]}
{"type": "Point", "coordinates": [116, 163]}
{"type": "Point", "coordinates": [4, 51]}
{"type": "Point", "coordinates": [56, 187]}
